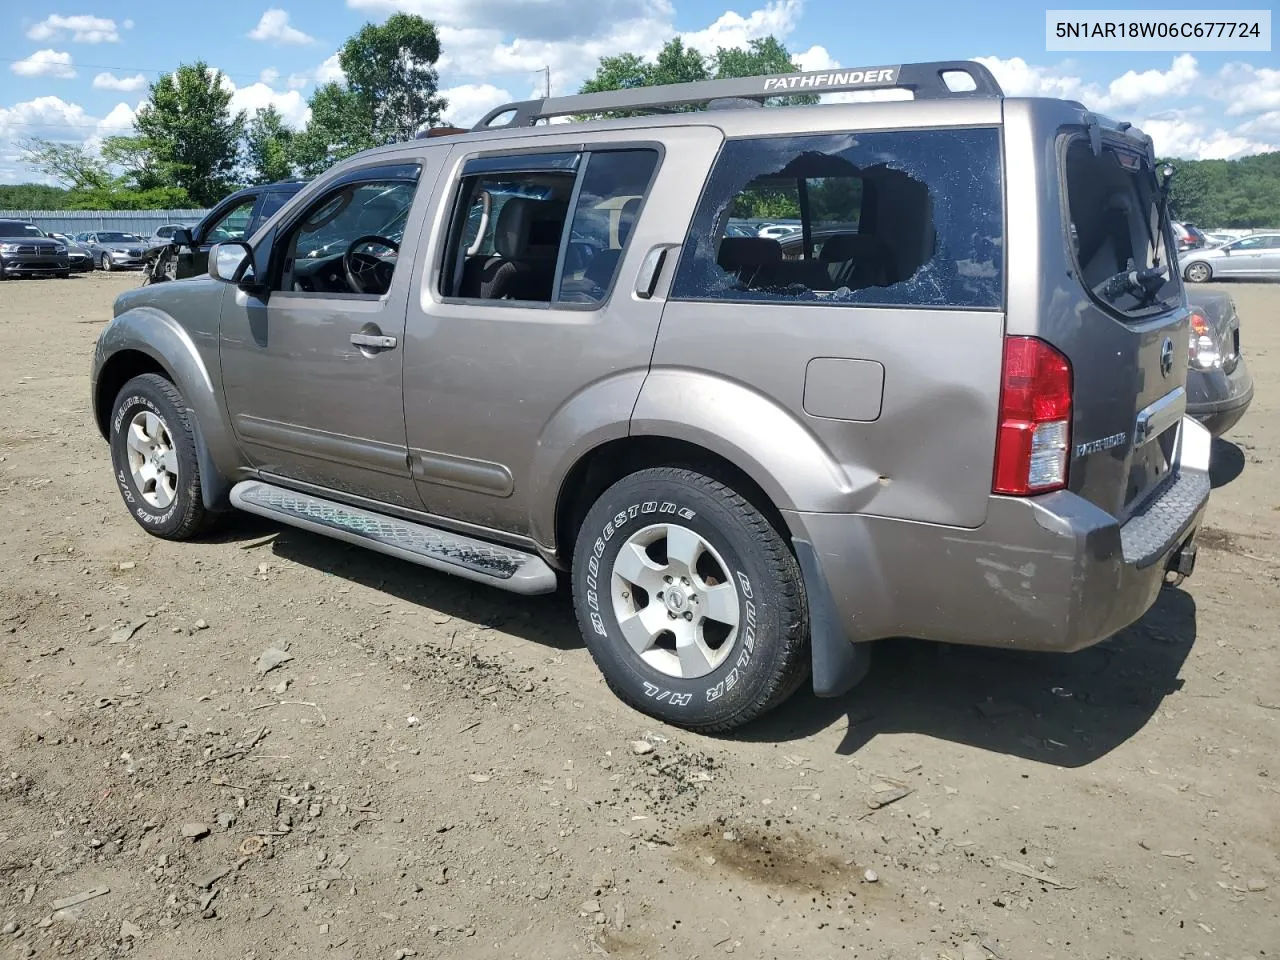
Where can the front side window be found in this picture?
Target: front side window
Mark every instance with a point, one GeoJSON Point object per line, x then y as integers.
{"type": "Point", "coordinates": [515, 232]}
{"type": "Point", "coordinates": [348, 241]}
{"type": "Point", "coordinates": [232, 225]}
{"type": "Point", "coordinates": [912, 218]}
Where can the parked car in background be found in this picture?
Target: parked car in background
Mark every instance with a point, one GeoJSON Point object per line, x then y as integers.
{"type": "Point", "coordinates": [1187, 237]}
{"type": "Point", "coordinates": [186, 252]}
{"type": "Point", "coordinates": [25, 251]}
{"type": "Point", "coordinates": [116, 250]}
{"type": "Point", "coordinates": [1218, 239]}
{"type": "Point", "coordinates": [1219, 384]}
{"type": "Point", "coordinates": [1256, 256]}
{"type": "Point", "coordinates": [776, 231]}
{"type": "Point", "coordinates": [165, 233]}
{"type": "Point", "coordinates": [81, 257]}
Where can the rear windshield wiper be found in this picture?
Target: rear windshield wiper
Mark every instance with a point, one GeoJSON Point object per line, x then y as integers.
{"type": "Point", "coordinates": [1142, 284]}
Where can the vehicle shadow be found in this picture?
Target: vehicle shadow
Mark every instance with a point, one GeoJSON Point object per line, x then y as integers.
{"type": "Point", "coordinates": [1062, 709]}
{"type": "Point", "coordinates": [1226, 462]}
{"type": "Point", "coordinates": [546, 620]}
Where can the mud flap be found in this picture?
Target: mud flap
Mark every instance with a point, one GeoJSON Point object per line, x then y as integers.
{"type": "Point", "coordinates": [838, 664]}
{"type": "Point", "coordinates": [214, 488]}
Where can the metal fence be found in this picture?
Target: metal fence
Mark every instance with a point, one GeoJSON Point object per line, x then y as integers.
{"type": "Point", "coordinates": [70, 222]}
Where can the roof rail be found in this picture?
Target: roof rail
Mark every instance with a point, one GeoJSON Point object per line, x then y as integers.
{"type": "Point", "coordinates": [927, 81]}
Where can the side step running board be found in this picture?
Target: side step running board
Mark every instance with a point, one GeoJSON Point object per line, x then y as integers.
{"type": "Point", "coordinates": [502, 567]}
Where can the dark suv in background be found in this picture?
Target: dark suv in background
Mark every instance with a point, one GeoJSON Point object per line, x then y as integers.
{"type": "Point", "coordinates": [237, 217]}
{"type": "Point", "coordinates": [25, 250]}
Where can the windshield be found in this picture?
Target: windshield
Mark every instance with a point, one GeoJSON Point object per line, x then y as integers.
{"type": "Point", "coordinates": [1117, 229]}
{"type": "Point", "coordinates": [117, 238]}
{"type": "Point", "coordinates": [19, 230]}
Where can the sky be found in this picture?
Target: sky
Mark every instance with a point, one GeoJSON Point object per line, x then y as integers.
{"type": "Point", "coordinates": [79, 72]}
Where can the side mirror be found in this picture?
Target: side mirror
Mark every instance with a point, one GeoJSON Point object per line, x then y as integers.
{"type": "Point", "coordinates": [182, 237]}
{"type": "Point", "coordinates": [230, 261]}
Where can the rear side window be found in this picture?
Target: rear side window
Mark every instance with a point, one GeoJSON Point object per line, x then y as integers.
{"type": "Point", "coordinates": [552, 233]}
{"type": "Point", "coordinates": [903, 218]}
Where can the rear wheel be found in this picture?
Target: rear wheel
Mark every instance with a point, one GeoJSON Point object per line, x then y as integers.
{"type": "Point", "coordinates": [1199, 272]}
{"type": "Point", "coordinates": [153, 452]}
{"type": "Point", "coordinates": [690, 601]}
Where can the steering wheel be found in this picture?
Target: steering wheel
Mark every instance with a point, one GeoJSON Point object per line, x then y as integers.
{"type": "Point", "coordinates": [365, 272]}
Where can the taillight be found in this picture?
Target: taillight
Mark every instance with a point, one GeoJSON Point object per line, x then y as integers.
{"type": "Point", "coordinates": [1034, 433]}
{"type": "Point", "coordinates": [1204, 352]}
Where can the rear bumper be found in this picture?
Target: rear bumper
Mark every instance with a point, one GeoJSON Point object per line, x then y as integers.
{"type": "Point", "coordinates": [1052, 573]}
{"type": "Point", "coordinates": [1217, 399]}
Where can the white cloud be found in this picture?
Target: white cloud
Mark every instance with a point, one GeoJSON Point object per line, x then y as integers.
{"type": "Point", "coordinates": [269, 76]}
{"type": "Point", "coordinates": [45, 63]}
{"type": "Point", "coordinates": [1266, 124]}
{"type": "Point", "coordinates": [540, 20]}
{"type": "Point", "coordinates": [815, 58]}
{"type": "Point", "coordinates": [328, 72]}
{"type": "Point", "coordinates": [1247, 89]}
{"type": "Point", "coordinates": [274, 27]}
{"type": "Point", "coordinates": [109, 81]}
{"type": "Point", "coordinates": [50, 117]}
{"type": "Point", "coordinates": [1181, 134]}
{"type": "Point", "coordinates": [118, 121]}
{"type": "Point", "coordinates": [1021, 79]}
{"type": "Point", "coordinates": [732, 29]}
{"type": "Point", "coordinates": [1132, 88]}
{"type": "Point", "coordinates": [470, 101]}
{"type": "Point", "coordinates": [83, 29]}
{"type": "Point", "coordinates": [291, 104]}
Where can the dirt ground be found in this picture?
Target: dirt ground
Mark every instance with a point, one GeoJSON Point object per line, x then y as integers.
{"type": "Point", "coordinates": [439, 771]}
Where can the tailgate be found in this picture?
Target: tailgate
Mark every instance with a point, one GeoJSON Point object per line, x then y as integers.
{"type": "Point", "coordinates": [1129, 346]}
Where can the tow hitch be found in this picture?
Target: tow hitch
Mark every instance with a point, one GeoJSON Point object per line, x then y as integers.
{"type": "Point", "coordinates": [1181, 563]}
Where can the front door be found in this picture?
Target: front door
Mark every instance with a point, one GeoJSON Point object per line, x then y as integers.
{"type": "Point", "coordinates": [231, 223]}
{"type": "Point", "coordinates": [1244, 258]}
{"type": "Point", "coordinates": [312, 370]}
{"type": "Point", "coordinates": [532, 341]}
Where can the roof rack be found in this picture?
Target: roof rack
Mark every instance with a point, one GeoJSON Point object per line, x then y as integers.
{"type": "Point", "coordinates": [926, 81]}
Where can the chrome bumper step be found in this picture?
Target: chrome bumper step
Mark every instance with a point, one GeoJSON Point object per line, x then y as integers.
{"type": "Point", "coordinates": [504, 567]}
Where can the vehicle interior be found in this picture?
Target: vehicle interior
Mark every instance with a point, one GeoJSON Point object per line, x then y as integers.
{"type": "Point", "coordinates": [860, 228]}
{"type": "Point", "coordinates": [511, 239]}
{"type": "Point", "coordinates": [1114, 207]}
{"type": "Point", "coordinates": [351, 242]}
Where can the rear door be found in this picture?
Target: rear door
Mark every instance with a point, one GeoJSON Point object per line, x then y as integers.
{"type": "Point", "coordinates": [529, 340]}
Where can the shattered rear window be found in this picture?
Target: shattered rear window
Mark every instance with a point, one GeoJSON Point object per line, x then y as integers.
{"type": "Point", "coordinates": [902, 218]}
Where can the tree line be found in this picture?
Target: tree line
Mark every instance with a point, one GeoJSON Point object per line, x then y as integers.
{"type": "Point", "coordinates": [1232, 194]}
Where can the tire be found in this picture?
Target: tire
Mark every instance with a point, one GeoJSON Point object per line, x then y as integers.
{"type": "Point", "coordinates": [106, 263]}
{"type": "Point", "coordinates": [170, 508]}
{"type": "Point", "coordinates": [732, 673]}
{"type": "Point", "coordinates": [1198, 272]}
{"type": "Point", "coordinates": [64, 274]}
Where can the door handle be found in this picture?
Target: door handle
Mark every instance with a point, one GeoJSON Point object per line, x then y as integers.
{"type": "Point", "coordinates": [650, 270]}
{"type": "Point", "coordinates": [374, 340]}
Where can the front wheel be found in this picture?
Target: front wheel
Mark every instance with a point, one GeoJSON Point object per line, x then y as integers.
{"type": "Point", "coordinates": [106, 262]}
{"type": "Point", "coordinates": [153, 452]}
{"type": "Point", "coordinates": [690, 601]}
{"type": "Point", "coordinates": [1199, 273]}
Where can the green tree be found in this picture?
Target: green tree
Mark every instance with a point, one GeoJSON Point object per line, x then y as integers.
{"type": "Point", "coordinates": [390, 93]}
{"type": "Point", "coordinates": [677, 63]}
{"type": "Point", "coordinates": [32, 196]}
{"type": "Point", "coordinates": [269, 147]}
{"type": "Point", "coordinates": [336, 130]}
{"type": "Point", "coordinates": [1240, 194]}
{"type": "Point", "coordinates": [72, 164]}
{"type": "Point", "coordinates": [190, 131]}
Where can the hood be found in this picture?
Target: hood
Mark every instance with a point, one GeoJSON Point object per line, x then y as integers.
{"type": "Point", "coordinates": [42, 242]}
{"type": "Point", "coordinates": [133, 246]}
